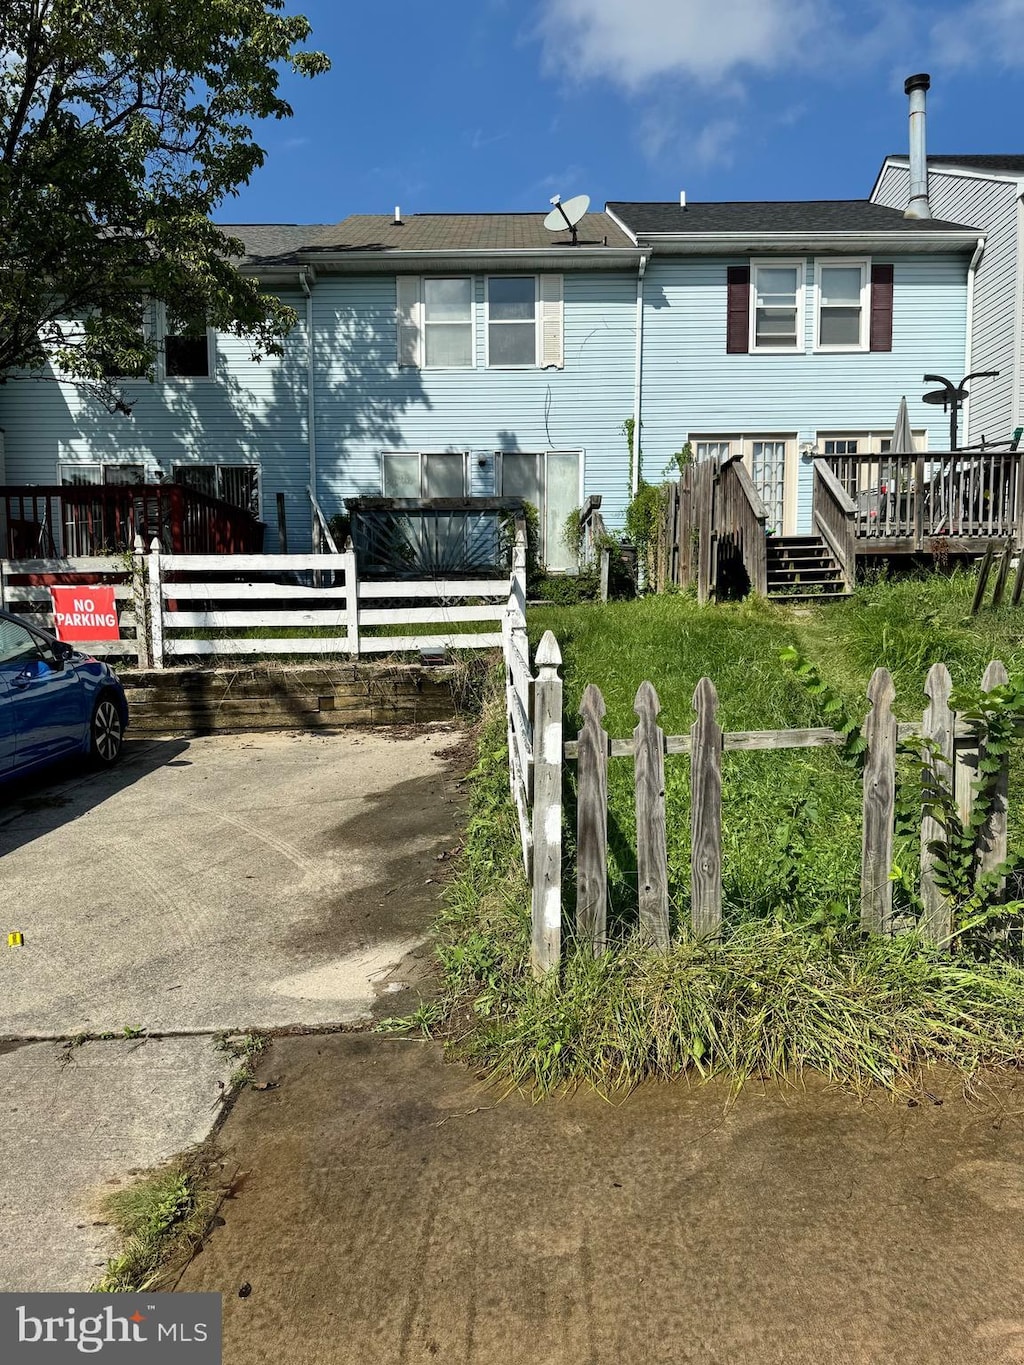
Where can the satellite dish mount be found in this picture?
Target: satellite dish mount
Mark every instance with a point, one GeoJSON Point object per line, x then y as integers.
{"type": "Point", "coordinates": [567, 215]}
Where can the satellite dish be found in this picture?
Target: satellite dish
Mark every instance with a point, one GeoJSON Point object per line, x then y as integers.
{"type": "Point", "coordinates": [942, 397]}
{"type": "Point", "coordinates": [567, 215]}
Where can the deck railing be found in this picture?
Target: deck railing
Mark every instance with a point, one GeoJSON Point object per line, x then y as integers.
{"type": "Point", "coordinates": [904, 501]}
{"type": "Point", "coordinates": [69, 521]}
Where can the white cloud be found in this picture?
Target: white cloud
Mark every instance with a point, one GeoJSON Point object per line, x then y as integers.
{"type": "Point", "coordinates": [634, 41]}
{"type": "Point", "coordinates": [986, 31]}
{"type": "Point", "coordinates": [713, 145]}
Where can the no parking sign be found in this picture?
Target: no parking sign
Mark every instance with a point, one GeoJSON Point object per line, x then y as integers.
{"type": "Point", "coordinates": [85, 613]}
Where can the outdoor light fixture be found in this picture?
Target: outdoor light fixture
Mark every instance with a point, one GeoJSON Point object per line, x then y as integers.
{"type": "Point", "coordinates": [953, 396]}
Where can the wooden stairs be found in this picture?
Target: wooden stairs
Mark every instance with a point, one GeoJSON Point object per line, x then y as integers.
{"type": "Point", "coordinates": [803, 568]}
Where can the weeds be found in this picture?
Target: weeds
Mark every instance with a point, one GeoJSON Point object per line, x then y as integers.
{"type": "Point", "coordinates": [162, 1219]}
{"type": "Point", "coordinates": [793, 984]}
{"type": "Point", "coordinates": [247, 1048]}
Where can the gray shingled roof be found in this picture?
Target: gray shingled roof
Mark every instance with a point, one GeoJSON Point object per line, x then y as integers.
{"type": "Point", "coordinates": [270, 244]}
{"type": "Point", "coordinates": [763, 218]}
{"type": "Point", "coordinates": [1006, 164]}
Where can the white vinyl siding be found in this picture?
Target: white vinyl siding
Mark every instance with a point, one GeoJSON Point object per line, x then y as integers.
{"type": "Point", "coordinates": [843, 305]}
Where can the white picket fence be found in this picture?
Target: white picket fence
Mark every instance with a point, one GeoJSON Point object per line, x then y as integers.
{"type": "Point", "coordinates": [210, 606]}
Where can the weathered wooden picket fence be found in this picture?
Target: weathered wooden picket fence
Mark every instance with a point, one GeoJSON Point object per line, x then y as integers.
{"type": "Point", "coordinates": [952, 752]}
{"type": "Point", "coordinates": [223, 606]}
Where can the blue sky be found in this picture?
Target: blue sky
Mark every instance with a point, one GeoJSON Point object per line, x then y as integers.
{"type": "Point", "coordinates": [495, 105]}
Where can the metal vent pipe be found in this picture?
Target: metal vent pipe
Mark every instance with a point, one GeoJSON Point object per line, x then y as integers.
{"type": "Point", "coordinates": [918, 207]}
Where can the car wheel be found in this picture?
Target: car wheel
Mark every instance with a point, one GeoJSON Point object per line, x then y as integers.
{"type": "Point", "coordinates": [105, 732]}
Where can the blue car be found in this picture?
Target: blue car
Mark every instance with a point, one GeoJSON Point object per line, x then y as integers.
{"type": "Point", "coordinates": [54, 702]}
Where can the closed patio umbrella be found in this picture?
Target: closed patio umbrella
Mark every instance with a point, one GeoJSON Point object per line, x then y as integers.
{"type": "Point", "coordinates": [902, 436]}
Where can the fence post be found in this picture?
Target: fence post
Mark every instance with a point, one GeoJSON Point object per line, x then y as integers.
{"type": "Point", "coordinates": [546, 905]}
{"type": "Point", "coordinates": [519, 564]}
{"type": "Point", "coordinates": [879, 804]}
{"type": "Point", "coordinates": [156, 605]}
{"type": "Point", "coordinates": [3, 604]}
{"type": "Point", "coordinates": [592, 824]}
{"type": "Point", "coordinates": [992, 839]}
{"type": "Point", "coordinates": [651, 856]}
{"type": "Point", "coordinates": [605, 567]}
{"type": "Point", "coordinates": [705, 812]}
{"type": "Point", "coordinates": [937, 726]}
{"type": "Point", "coordinates": [143, 649]}
{"type": "Point", "coordinates": [351, 572]}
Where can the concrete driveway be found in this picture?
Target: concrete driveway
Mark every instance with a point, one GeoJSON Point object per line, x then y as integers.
{"type": "Point", "coordinates": [215, 884]}
{"type": "Point", "coordinates": [225, 883]}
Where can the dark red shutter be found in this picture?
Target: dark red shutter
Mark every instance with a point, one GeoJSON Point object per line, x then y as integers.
{"type": "Point", "coordinates": [881, 307]}
{"type": "Point", "coordinates": [737, 317]}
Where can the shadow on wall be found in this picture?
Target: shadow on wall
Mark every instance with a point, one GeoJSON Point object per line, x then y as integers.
{"type": "Point", "coordinates": [251, 413]}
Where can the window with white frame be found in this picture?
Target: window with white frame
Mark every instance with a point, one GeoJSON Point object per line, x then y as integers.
{"type": "Point", "coordinates": [842, 321]}
{"type": "Point", "coordinates": [424, 474]}
{"type": "Point", "coordinates": [93, 474]}
{"type": "Point", "coordinates": [448, 323]}
{"type": "Point", "coordinates": [712, 450]}
{"type": "Point", "coordinates": [776, 314]}
{"type": "Point", "coordinates": [187, 349]}
{"type": "Point", "coordinates": [436, 328]}
{"type": "Point", "coordinates": [863, 442]}
{"type": "Point", "coordinates": [238, 484]}
{"type": "Point", "coordinates": [512, 321]}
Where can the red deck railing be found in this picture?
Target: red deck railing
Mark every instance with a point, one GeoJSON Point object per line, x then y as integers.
{"type": "Point", "coordinates": [66, 521]}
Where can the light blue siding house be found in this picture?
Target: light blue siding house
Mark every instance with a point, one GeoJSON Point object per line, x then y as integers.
{"type": "Point", "coordinates": [446, 355]}
{"type": "Point", "coordinates": [782, 331]}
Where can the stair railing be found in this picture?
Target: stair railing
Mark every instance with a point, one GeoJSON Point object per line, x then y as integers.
{"type": "Point", "coordinates": [835, 515]}
{"type": "Point", "coordinates": [740, 520]}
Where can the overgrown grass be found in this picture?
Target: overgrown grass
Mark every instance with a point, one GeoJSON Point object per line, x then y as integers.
{"type": "Point", "coordinates": [792, 983]}
{"type": "Point", "coordinates": [161, 1219]}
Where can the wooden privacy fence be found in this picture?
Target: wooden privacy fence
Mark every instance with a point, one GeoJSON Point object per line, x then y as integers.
{"type": "Point", "coordinates": [952, 753]}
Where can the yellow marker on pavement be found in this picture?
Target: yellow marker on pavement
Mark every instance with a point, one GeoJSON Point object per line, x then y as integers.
{"type": "Point", "coordinates": [16, 940]}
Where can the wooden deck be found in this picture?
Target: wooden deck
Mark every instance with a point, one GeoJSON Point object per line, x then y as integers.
{"type": "Point", "coordinates": [947, 503]}
{"type": "Point", "coordinates": [69, 521]}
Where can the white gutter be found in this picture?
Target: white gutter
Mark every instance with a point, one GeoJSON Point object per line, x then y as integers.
{"type": "Point", "coordinates": [638, 371]}
{"type": "Point", "coordinates": [307, 278]}
{"type": "Point", "coordinates": [969, 344]}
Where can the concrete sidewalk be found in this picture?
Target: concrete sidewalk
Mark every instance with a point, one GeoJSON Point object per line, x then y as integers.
{"type": "Point", "coordinates": [73, 1124]}
{"type": "Point", "coordinates": [395, 1212]}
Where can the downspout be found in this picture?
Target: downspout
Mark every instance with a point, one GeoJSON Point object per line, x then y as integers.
{"type": "Point", "coordinates": [638, 371]}
{"type": "Point", "coordinates": [972, 270]}
{"type": "Point", "coordinates": [307, 278]}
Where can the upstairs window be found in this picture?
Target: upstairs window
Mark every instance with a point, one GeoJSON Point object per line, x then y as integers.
{"type": "Point", "coordinates": [842, 306]}
{"type": "Point", "coordinates": [776, 322]}
{"type": "Point", "coordinates": [512, 320]}
{"type": "Point", "coordinates": [448, 323]}
{"type": "Point", "coordinates": [436, 324]}
{"type": "Point", "coordinates": [186, 349]}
